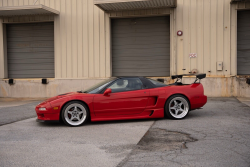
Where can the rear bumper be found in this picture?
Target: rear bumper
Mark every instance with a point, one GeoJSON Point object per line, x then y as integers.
{"type": "Point", "coordinates": [199, 102]}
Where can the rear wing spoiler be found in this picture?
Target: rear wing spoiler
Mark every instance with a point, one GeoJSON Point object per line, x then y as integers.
{"type": "Point", "coordinates": [198, 77]}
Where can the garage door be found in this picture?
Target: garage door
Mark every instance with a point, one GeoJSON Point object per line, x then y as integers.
{"type": "Point", "coordinates": [141, 46]}
{"type": "Point", "coordinates": [30, 50]}
{"type": "Point", "coordinates": [243, 43]}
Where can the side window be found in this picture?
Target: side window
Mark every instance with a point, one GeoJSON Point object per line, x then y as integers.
{"type": "Point", "coordinates": [126, 84]}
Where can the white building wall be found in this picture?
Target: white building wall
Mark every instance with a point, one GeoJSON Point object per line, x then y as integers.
{"type": "Point", "coordinates": [83, 41]}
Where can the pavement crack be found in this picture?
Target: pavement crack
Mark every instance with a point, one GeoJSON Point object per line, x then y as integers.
{"type": "Point", "coordinates": [127, 157]}
{"type": "Point", "coordinates": [160, 140]}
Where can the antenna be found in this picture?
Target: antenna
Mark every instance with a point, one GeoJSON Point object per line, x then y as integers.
{"type": "Point", "coordinates": [35, 2]}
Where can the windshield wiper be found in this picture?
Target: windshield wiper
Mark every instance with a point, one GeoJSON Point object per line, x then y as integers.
{"type": "Point", "coordinates": [80, 91]}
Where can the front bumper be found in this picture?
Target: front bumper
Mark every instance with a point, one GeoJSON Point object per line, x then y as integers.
{"type": "Point", "coordinates": [42, 121]}
{"type": "Point", "coordinates": [48, 114]}
{"type": "Point", "coordinates": [39, 120]}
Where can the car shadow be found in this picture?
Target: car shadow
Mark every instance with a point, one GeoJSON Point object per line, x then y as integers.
{"type": "Point", "coordinates": [120, 121]}
{"type": "Point", "coordinates": [195, 113]}
{"type": "Point", "coordinates": [191, 115]}
{"type": "Point", "coordinates": [89, 123]}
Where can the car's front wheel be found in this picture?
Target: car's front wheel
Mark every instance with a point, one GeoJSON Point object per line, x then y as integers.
{"type": "Point", "coordinates": [74, 113]}
{"type": "Point", "coordinates": [177, 107]}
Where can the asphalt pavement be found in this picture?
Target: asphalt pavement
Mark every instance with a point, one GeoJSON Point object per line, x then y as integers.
{"type": "Point", "coordinates": [13, 110]}
{"type": "Point", "coordinates": [217, 135]}
{"type": "Point", "coordinates": [25, 142]}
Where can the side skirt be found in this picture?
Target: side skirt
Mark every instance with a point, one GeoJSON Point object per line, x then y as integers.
{"type": "Point", "coordinates": [146, 114]}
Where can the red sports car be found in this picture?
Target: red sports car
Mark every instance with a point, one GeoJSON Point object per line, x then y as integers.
{"type": "Point", "coordinates": [120, 98]}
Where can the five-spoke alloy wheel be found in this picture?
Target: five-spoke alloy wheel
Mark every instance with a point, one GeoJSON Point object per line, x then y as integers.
{"type": "Point", "coordinates": [74, 113]}
{"type": "Point", "coordinates": [177, 107]}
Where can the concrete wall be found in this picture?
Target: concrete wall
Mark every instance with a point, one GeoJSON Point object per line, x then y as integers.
{"type": "Point", "coordinates": [224, 86]}
{"type": "Point", "coordinates": [213, 87]}
{"type": "Point", "coordinates": [34, 88]}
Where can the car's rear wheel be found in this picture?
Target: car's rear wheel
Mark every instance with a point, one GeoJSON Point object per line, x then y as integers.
{"type": "Point", "coordinates": [75, 113]}
{"type": "Point", "coordinates": [177, 107]}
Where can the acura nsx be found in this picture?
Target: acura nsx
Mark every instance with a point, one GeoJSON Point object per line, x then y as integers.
{"type": "Point", "coordinates": [120, 98]}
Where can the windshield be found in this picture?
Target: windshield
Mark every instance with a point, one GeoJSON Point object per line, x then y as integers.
{"type": "Point", "coordinates": [99, 86]}
{"type": "Point", "coordinates": [157, 83]}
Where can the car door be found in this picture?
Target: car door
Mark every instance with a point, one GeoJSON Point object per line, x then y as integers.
{"type": "Point", "coordinates": [127, 98]}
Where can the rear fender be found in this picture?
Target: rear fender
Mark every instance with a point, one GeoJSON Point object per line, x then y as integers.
{"type": "Point", "coordinates": [193, 92]}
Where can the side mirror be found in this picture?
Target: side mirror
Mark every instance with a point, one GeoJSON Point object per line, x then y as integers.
{"type": "Point", "coordinates": [107, 92]}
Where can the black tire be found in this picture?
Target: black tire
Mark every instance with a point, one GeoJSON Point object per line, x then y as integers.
{"type": "Point", "coordinates": [179, 111]}
{"type": "Point", "coordinates": [75, 113]}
